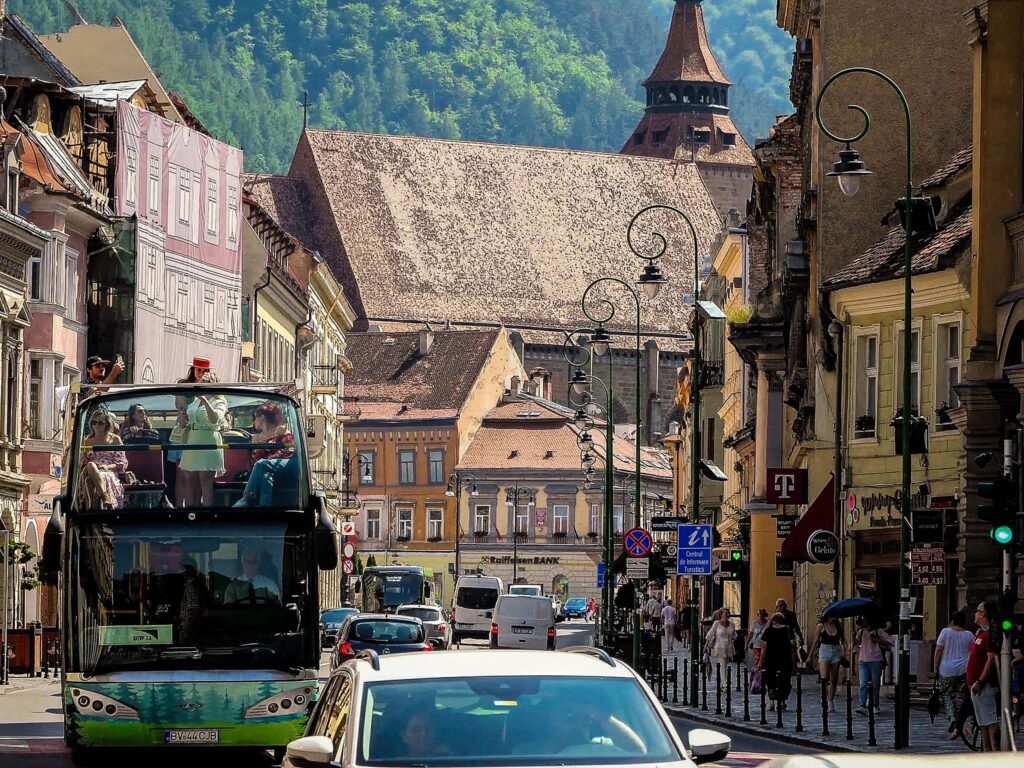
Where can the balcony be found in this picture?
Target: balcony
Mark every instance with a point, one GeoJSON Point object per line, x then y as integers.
{"type": "Point", "coordinates": [326, 379]}
{"type": "Point", "coordinates": [712, 374]}
{"type": "Point", "coordinates": [326, 480]}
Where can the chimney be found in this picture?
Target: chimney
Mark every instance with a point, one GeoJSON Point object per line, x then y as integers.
{"type": "Point", "coordinates": [541, 377]}
{"type": "Point", "coordinates": [514, 387]}
{"type": "Point", "coordinates": [426, 341]}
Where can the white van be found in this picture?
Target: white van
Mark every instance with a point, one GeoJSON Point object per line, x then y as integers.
{"type": "Point", "coordinates": [526, 589]}
{"type": "Point", "coordinates": [475, 597]}
{"type": "Point", "coordinates": [523, 621]}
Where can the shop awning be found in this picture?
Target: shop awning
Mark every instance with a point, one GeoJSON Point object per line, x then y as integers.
{"type": "Point", "coordinates": [820, 516]}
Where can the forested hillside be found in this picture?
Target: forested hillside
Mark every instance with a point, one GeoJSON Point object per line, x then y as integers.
{"type": "Point", "coordinates": [548, 72]}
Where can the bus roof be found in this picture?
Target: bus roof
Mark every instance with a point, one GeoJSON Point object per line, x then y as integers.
{"type": "Point", "coordinates": [400, 569]}
{"type": "Point", "coordinates": [116, 391]}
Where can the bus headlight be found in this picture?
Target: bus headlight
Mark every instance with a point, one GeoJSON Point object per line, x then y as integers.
{"type": "Point", "coordinates": [97, 705]}
{"type": "Point", "coordinates": [281, 704]}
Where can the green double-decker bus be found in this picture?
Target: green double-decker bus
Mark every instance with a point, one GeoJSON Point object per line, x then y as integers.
{"type": "Point", "coordinates": [187, 549]}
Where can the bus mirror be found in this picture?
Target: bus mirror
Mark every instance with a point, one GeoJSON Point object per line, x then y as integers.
{"type": "Point", "coordinates": [326, 540]}
{"type": "Point", "coordinates": [53, 545]}
{"type": "Point", "coordinates": [316, 428]}
{"type": "Point", "coordinates": [428, 590]}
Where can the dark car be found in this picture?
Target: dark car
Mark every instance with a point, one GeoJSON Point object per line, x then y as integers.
{"type": "Point", "coordinates": [379, 632]}
{"type": "Point", "coordinates": [331, 621]}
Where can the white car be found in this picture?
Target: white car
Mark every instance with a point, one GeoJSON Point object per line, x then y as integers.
{"type": "Point", "coordinates": [523, 621]}
{"type": "Point", "coordinates": [525, 708]}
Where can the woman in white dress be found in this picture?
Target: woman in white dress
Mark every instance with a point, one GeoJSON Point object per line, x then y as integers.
{"type": "Point", "coordinates": [205, 415]}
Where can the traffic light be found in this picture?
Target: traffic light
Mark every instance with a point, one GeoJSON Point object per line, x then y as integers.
{"type": "Point", "coordinates": [732, 563]}
{"type": "Point", "coordinates": [1002, 512]}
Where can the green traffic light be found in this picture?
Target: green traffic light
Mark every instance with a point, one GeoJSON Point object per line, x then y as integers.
{"type": "Point", "coordinates": [1007, 625]}
{"type": "Point", "coordinates": [1002, 535]}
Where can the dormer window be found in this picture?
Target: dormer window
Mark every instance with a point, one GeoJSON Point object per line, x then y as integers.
{"type": "Point", "coordinates": [658, 138]}
{"type": "Point", "coordinates": [728, 139]}
{"type": "Point", "coordinates": [638, 138]}
{"type": "Point", "coordinates": [701, 135]}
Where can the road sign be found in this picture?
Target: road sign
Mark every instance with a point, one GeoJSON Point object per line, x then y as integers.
{"type": "Point", "coordinates": [600, 575]}
{"type": "Point", "coordinates": [822, 546]}
{"type": "Point", "coordinates": [349, 550]}
{"type": "Point", "coordinates": [637, 542]}
{"type": "Point", "coordinates": [348, 528]}
{"type": "Point", "coordinates": [666, 523]}
{"type": "Point", "coordinates": [638, 568]}
{"type": "Point", "coordinates": [671, 550]}
{"type": "Point", "coordinates": [694, 555]}
{"type": "Point", "coordinates": [784, 525]}
{"type": "Point", "coordinates": [348, 567]}
{"type": "Point", "coordinates": [927, 567]}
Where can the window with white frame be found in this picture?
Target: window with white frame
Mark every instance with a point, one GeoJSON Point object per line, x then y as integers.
{"type": "Point", "coordinates": [131, 179]}
{"type": "Point", "coordinates": [57, 268]}
{"type": "Point", "coordinates": [915, 369]}
{"type": "Point", "coordinates": [618, 511]}
{"type": "Point", "coordinates": [435, 524]}
{"type": "Point", "coordinates": [153, 190]}
{"type": "Point", "coordinates": [212, 208]}
{"type": "Point", "coordinates": [35, 278]}
{"type": "Point", "coordinates": [522, 519]}
{"type": "Point", "coordinates": [373, 524]}
{"type": "Point", "coordinates": [865, 372]}
{"type": "Point", "coordinates": [595, 518]}
{"type": "Point", "coordinates": [561, 519]}
{"type": "Point", "coordinates": [366, 467]}
{"type": "Point", "coordinates": [232, 214]}
{"type": "Point", "coordinates": [405, 524]}
{"type": "Point", "coordinates": [184, 195]}
{"type": "Point", "coordinates": [35, 398]}
{"type": "Point", "coordinates": [71, 284]}
{"type": "Point", "coordinates": [482, 519]}
{"type": "Point", "coordinates": [435, 466]}
{"type": "Point", "coordinates": [67, 376]}
{"type": "Point", "coordinates": [407, 467]}
{"type": "Point", "coordinates": [947, 372]}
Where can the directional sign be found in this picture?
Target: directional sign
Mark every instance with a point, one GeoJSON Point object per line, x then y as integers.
{"type": "Point", "coordinates": [638, 568]}
{"type": "Point", "coordinates": [600, 575]}
{"type": "Point", "coordinates": [694, 556]}
{"type": "Point", "coordinates": [637, 542]}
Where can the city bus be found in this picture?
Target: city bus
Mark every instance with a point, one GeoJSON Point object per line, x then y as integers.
{"type": "Point", "coordinates": [385, 587]}
{"type": "Point", "coordinates": [187, 558]}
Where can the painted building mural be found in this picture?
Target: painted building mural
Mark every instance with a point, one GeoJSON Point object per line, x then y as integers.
{"type": "Point", "coordinates": [183, 191]}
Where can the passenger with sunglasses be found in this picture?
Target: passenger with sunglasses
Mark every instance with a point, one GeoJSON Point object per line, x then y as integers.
{"type": "Point", "coordinates": [102, 468]}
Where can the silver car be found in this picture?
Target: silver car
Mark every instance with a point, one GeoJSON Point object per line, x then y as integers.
{"type": "Point", "coordinates": [439, 629]}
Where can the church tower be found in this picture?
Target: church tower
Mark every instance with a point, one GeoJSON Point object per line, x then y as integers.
{"type": "Point", "coordinates": [687, 114]}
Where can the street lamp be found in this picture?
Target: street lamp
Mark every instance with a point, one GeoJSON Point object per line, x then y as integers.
{"type": "Point", "coordinates": [848, 171]}
{"type": "Point", "coordinates": [513, 498]}
{"type": "Point", "coordinates": [579, 382]}
{"type": "Point", "coordinates": [454, 490]}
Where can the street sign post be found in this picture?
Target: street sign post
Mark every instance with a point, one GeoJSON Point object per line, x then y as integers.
{"type": "Point", "coordinates": [637, 542]}
{"type": "Point", "coordinates": [638, 568]}
{"type": "Point", "coordinates": [600, 575]}
{"type": "Point", "coordinates": [348, 528]}
{"type": "Point", "coordinates": [348, 567]}
{"type": "Point", "coordinates": [694, 555]}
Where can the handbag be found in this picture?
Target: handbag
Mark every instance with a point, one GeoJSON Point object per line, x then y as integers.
{"type": "Point", "coordinates": [755, 682]}
{"type": "Point", "coordinates": [844, 662]}
{"type": "Point", "coordinates": [934, 701]}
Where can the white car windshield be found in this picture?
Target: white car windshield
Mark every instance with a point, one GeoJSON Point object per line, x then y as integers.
{"type": "Point", "coordinates": [509, 721]}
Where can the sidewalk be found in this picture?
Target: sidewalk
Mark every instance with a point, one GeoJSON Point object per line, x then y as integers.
{"type": "Point", "coordinates": [926, 737]}
{"type": "Point", "coordinates": [23, 682]}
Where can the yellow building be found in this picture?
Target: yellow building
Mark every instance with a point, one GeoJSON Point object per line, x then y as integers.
{"type": "Point", "coordinates": [867, 298]}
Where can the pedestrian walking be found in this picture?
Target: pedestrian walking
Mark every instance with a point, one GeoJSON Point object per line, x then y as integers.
{"type": "Point", "coordinates": [872, 643]}
{"type": "Point", "coordinates": [720, 642]}
{"type": "Point", "coordinates": [799, 651]}
{"type": "Point", "coordinates": [755, 639]}
{"type": "Point", "coordinates": [831, 648]}
{"type": "Point", "coordinates": [685, 622]}
{"type": "Point", "coordinates": [952, 648]}
{"type": "Point", "coordinates": [982, 677]}
{"type": "Point", "coordinates": [777, 660]}
{"type": "Point", "coordinates": [653, 610]}
{"type": "Point", "coordinates": [668, 620]}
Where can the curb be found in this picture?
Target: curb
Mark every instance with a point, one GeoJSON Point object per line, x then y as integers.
{"type": "Point", "coordinates": [754, 730]}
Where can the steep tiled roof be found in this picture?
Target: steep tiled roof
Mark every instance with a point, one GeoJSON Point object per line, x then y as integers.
{"type": "Point", "coordinates": [433, 229]}
{"type": "Point", "coordinates": [687, 54]}
{"type": "Point", "coordinates": [931, 252]}
{"type": "Point", "coordinates": [952, 167]}
{"type": "Point", "coordinates": [286, 201]}
{"type": "Point", "coordinates": [387, 368]}
{"type": "Point", "coordinates": [676, 142]}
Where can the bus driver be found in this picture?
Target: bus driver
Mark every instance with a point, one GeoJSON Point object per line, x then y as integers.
{"type": "Point", "coordinates": [252, 584]}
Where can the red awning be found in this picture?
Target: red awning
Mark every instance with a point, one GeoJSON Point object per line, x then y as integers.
{"type": "Point", "coordinates": [820, 516]}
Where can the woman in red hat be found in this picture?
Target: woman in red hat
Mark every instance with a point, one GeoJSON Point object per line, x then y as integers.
{"type": "Point", "coordinates": [204, 416]}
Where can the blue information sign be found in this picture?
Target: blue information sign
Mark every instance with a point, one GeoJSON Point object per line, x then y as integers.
{"type": "Point", "coordinates": [694, 555]}
{"type": "Point", "coordinates": [600, 575]}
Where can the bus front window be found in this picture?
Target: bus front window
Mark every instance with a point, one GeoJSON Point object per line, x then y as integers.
{"type": "Point", "coordinates": [386, 591]}
{"type": "Point", "coordinates": [200, 447]}
{"type": "Point", "coordinates": [209, 596]}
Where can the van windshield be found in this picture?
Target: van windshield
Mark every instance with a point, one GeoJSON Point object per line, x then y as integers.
{"type": "Point", "coordinates": [525, 609]}
{"type": "Point", "coordinates": [476, 598]}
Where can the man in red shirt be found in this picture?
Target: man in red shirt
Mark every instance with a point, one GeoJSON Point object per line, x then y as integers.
{"type": "Point", "coordinates": [982, 678]}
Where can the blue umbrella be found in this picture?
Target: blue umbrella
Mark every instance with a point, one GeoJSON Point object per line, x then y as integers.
{"type": "Point", "coordinates": [851, 606]}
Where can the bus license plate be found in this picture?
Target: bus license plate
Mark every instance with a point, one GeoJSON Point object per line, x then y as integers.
{"type": "Point", "coordinates": [522, 630]}
{"type": "Point", "coordinates": [192, 736]}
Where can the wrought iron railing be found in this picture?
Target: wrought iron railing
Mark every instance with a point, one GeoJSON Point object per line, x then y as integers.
{"type": "Point", "coordinates": [712, 373]}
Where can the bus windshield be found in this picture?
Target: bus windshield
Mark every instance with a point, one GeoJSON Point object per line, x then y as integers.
{"type": "Point", "coordinates": [187, 448]}
{"type": "Point", "coordinates": [386, 590]}
{"type": "Point", "coordinates": [201, 595]}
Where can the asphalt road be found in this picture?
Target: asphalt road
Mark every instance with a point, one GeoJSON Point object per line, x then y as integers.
{"type": "Point", "coordinates": [31, 729]}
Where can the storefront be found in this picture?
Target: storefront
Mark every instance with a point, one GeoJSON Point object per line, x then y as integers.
{"type": "Point", "coordinates": [563, 572]}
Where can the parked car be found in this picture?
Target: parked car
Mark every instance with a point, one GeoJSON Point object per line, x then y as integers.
{"type": "Point", "coordinates": [575, 608]}
{"type": "Point", "coordinates": [572, 709]}
{"type": "Point", "coordinates": [331, 621]}
{"type": "Point", "coordinates": [472, 609]}
{"type": "Point", "coordinates": [526, 589]}
{"type": "Point", "coordinates": [521, 621]}
{"type": "Point", "coordinates": [381, 633]}
{"type": "Point", "coordinates": [439, 629]}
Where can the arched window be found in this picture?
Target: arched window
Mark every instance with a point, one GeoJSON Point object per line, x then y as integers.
{"type": "Point", "coordinates": [702, 96]}
{"type": "Point", "coordinates": [673, 94]}
{"type": "Point", "coordinates": [688, 94]}
{"type": "Point", "coordinates": [560, 586]}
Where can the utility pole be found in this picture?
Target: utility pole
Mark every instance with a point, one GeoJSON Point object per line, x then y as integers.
{"type": "Point", "coordinates": [1010, 470]}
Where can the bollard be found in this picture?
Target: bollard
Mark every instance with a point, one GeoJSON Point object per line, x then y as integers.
{"type": "Point", "coordinates": [686, 682]}
{"type": "Point", "coordinates": [824, 706]}
{"type": "Point", "coordinates": [704, 691]}
{"type": "Point", "coordinates": [746, 695]}
{"type": "Point", "coordinates": [799, 703]}
{"type": "Point", "coordinates": [675, 679]}
{"type": "Point", "coordinates": [871, 715]}
{"type": "Point", "coordinates": [764, 694]}
{"type": "Point", "coordinates": [849, 708]}
{"type": "Point", "coordinates": [778, 699]}
{"type": "Point", "coordinates": [694, 689]}
{"type": "Point", "coordinates": [738, 689]}
{"type": "Point", "coordinates": [718, 689]}
{"type": "Point", "coordinates": [728, 691]}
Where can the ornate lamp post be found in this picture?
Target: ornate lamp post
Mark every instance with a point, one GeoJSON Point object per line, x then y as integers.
{"type": "Point", "coordinates": [454, 490]}
{"type": "Point", "coordinates": [848, 171]}
{"type": "Point", "coordinates": [514, 497]}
